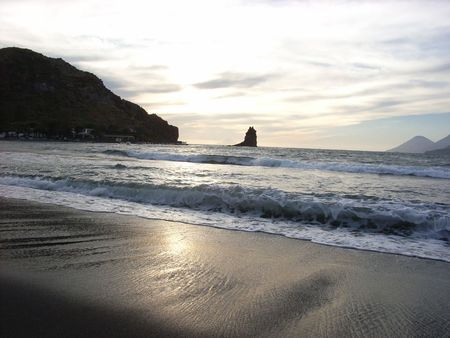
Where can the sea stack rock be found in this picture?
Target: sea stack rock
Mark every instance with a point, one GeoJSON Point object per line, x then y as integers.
{"type": "Point", "coordinates": [250, 139]}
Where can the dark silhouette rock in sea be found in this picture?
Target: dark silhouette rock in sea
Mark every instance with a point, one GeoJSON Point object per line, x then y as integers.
{"type": "Point", "coordinates": [48, 97]}
{"type": "Point", "coordinates": [250, 139]}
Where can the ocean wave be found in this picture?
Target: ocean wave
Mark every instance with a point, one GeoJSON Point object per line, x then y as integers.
{"type": "Point", "coordinates": [362, 168]}
{"type": "Point", "coordinates": [388, 217]}
{"type": "Point", "coordinates": [119, 166]}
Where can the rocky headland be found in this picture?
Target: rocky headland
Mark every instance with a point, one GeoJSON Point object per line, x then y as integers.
{"type": "Point", "coordinates": [42, 97]}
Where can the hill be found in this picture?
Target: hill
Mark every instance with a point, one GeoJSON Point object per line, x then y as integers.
{"type": "Point", "coordinates": [443, 143]}
{"type": "Point", "coordinates": [47, 96]}
{"type": "Point", "coordinates": [442, 151]}
{"type": "Point", "coordinates": [418, 144]}
{"type": "Point", "coordinates": [421, 144]}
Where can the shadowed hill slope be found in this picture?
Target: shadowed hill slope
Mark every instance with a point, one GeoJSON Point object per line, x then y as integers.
{"type": "Point", "coordinates": [51, 96]}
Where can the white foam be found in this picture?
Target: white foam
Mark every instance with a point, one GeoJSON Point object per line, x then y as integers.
{"type": "Point", "coordinates": [383, 169]}
{"type": "Point", "coordinates": [423, 247]}
{"type": "Point", "coordinates": [368, 215]}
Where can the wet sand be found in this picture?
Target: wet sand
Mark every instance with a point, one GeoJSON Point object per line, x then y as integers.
{"type": "Point", "coordinates": [65, 272]}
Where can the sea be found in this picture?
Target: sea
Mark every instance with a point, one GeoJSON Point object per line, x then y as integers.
{"type": "Point", "coordinates": [378, 201]}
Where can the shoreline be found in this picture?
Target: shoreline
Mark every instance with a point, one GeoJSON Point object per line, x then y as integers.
{"type": "Point", "coordinates": [239, 230]}
{"type": "Point", "coordinates": [39, 140]}
{"type": "Point", "coordinates": [283, 235]}
{"type": "Point", "coordinates": [160, 278]}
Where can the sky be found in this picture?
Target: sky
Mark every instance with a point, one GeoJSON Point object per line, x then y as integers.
{"type": "Point", "coordinates": [340, 74]}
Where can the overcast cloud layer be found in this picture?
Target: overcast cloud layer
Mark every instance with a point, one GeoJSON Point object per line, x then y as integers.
{"type": "Point", "coordinates": [299, 71]}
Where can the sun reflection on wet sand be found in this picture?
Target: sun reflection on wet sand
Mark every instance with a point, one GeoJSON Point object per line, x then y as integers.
{"type": "Point", "coordinates": [176, 243]}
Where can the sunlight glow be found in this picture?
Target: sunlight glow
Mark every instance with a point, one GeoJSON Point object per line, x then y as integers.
{"type": "Point", "coordinates": [329, 63]}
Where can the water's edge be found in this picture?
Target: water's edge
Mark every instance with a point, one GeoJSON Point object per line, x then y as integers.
{"type": "Point", "coordinates": [5, 193]}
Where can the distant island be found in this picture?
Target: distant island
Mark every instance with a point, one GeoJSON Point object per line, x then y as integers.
{"type": "Point", "coordinates": [47, 98]}
{"type": "Point", "coordinates": [421, 144]}
{"type": "Point", "coordinates": [249, 140]}
{"type": "Point", "coordinates": [442, 151]}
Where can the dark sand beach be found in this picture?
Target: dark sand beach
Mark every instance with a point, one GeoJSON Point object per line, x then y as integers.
{"type": "Point", "coordinates": [70, 273]}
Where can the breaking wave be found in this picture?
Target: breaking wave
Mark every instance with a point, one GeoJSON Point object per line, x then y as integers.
{"type": "Point", "coordinates": [384, 216]}
{"type": "Point", "coordinates": [363, 168]}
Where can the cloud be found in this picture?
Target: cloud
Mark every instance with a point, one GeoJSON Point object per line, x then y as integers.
{"type": "Point", "coordinates": [237, 124]}
{"type": "Point", "coordinates": [112, 83]}
{"type": "Point", "coordinates": [288, 67]}
{"type": "Point", "coordinates": [391, 106]}
{"type": "Point", "coordinates": [231, 95]}
{"type": "Point", "coordinates": [158, 88]}
{"type": "Point", "coordinates": [364, 66]}
{"type": "Point", "coordinates": [154, 89]}
{"type": "Point", "coordinates": [233, 80]}
{"type": "Point", "coordinates": [275, 3]}
{"type": "Point", "coordinates": [73, 58]}
{"type": "Point", "coordinates": [320, 64]}
{"type": "Point", "coordinates": [439, 68]}
{"type": "Point", "coordinates": [150, 68]}
{"type": "Point", "coordinates": [138, 80]}
{"type": "Point", "coordinates": [383, 89]}
{"type": "Point", "coordinates": [429, 84]}
{"type": "Point", "coordinates": [108, 42]}
{"type": "Point", "coordinates": [159, 104]}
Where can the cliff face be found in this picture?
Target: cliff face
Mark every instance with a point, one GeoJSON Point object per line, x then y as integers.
{"type": "Point", "coordinates": [250, 139]}
{"type": "Point", "coordinates": [53, 97]}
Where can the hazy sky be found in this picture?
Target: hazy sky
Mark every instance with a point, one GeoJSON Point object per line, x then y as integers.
{"type": "Point", "coordinates": [330, 74]}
